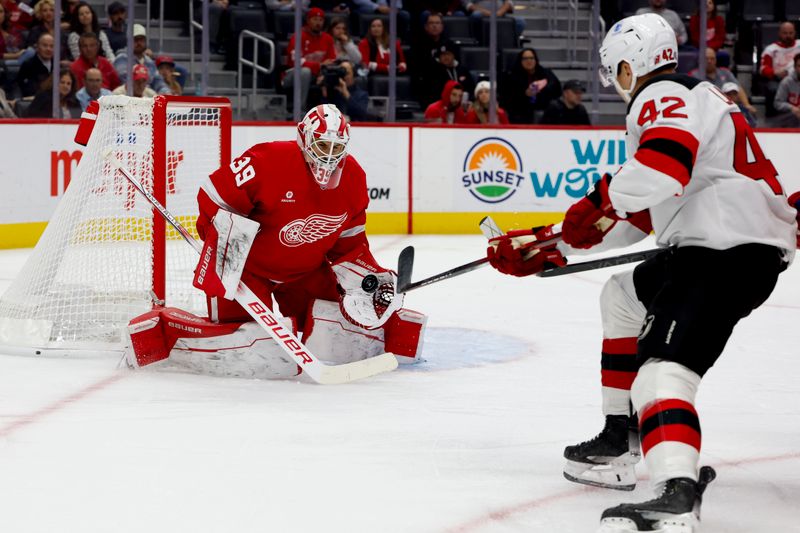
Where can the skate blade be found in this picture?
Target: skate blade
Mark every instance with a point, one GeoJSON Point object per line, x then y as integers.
{"type": "Point", "coordinates": [683, 523]}
{"type": "Point", "coordinates": [616, 477]}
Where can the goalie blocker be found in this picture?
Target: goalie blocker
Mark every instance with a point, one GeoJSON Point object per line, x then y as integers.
{"type": "Point", "coordinates": [243, 349]}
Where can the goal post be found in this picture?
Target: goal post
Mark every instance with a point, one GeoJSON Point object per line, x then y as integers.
{"type": "Point", "coordinates": [105, 254]}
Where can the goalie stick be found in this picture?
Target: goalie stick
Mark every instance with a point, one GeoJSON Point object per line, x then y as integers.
{"type": "Point", "coordinates": [261, 313]}
{"type": "Point", "coordinates": [405, 263]}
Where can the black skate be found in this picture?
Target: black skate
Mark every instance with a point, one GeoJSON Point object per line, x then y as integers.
{"type": "Point", "coordinates": [677, 510]}
{"type": "Point", "coordinates": [608, 459]}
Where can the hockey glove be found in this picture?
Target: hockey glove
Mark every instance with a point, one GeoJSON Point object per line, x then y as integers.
{"type": "Point", "coordinates": [794, 201]}
{"type": "Point", "coordinates": [515, 253]}
{"type": "Point", "coordinates": [582, 226]}
{"type": "Point", "coordinates": [368, 295]}
{"type": "Point", "coordinates": [227, 244]}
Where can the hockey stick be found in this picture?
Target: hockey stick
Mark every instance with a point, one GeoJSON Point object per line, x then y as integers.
{"type": "Point", "coordinates": [405, 263]}
{"type": "Point", "coordinates": [261, 313]}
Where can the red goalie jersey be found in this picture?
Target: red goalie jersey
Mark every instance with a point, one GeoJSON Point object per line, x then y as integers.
{"type": "Point", "coordinates": [301, 225]}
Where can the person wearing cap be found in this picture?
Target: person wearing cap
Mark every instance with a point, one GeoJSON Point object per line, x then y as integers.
{"type": "Point", "coordinates": [449, 109]}
{"type": "Point", "coordinates": [787, 98]}
{"type": "Point", "coordinates": [141, 56]}
{"type": "Point", "coordinates": [479, 110]}
{"type": "Point", "coordinates": [316, 50]}
{"type": "Point", "coordinates": [733, 91]}
{"type": "Point", "coordinates": [90, 57]}
{"type": "Point", "coordinates": [166, 68]}
{"type": "Point", "coordinates": [719, 76]}
{"type": "Point", "coordinates": [92, 88]}
{"type": "Point", "coordinates": [117, 28]}
{"type": "Point", "coordinates": [447, 67]}
{"type": "Point", "coordinates": [568, 109]}
{"type": "Point", "coordinates": [141, 77]}
{"type": "Point", "coordinates": [84, 20]}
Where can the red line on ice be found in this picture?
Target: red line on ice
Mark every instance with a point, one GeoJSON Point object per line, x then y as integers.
{"type": "Point", "coordinates": [57, 405]}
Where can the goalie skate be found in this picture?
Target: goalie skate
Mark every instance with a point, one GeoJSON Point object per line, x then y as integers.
{"type": "Point", "coordinates": [608, 459]}
{"type": "Point", "coordinates": [677, 510]}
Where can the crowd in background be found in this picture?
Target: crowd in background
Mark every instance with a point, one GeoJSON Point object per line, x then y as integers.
{"type": "Point", "coordinates": [335, 66]}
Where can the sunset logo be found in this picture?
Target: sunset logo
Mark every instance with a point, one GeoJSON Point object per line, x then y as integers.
{"type": "Point", "coordinates": [492, 170]}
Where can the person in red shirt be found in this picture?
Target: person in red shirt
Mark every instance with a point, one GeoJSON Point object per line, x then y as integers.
{"type": "Point", "coordinates": [479, 110]}
{"type": "Point", "coordinates": [288, 218]}
{"type": "Point", "coordinates": [90, 58]}
{"type": "Point", "coordinates": [776, 63]}
{"type": "Point", "coordinates": [316, 50]}
{"type": "Point", "coordinates": [448, 110]}
{"type": "Point", "coordinates": [715, 28]}
{"type": "Point", "coordinates": [375, 51]}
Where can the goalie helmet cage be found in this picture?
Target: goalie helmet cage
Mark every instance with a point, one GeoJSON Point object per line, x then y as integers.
{"type": "Point", "coordinates": [106, 254]}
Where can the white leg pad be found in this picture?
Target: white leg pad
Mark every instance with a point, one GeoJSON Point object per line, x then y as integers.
{"type": "Point", "coordinates": [336, 340]}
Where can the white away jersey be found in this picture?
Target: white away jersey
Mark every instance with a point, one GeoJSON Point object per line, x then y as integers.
{"type": "Point", "coordinates": [695, 163]}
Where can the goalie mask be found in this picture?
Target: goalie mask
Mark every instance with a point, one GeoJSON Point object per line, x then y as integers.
{"type": "Point", "coordinates": [323, 136]}
{"type": "Point", "coordinates": [645, 42]}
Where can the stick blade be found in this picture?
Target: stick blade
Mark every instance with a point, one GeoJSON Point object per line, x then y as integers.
{"type": "Point", "coordinates": [357, 370]}
{"type": "Point", "coordinates": [489, 228]}
{"type": "Point", "coordinates": [405, 267]}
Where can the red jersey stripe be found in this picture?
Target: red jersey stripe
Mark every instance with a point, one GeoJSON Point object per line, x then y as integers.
{"type": "Point", "coordinates": [671, 433]}
{"type": "Point", "coordinates": [623, 345]}
{"type": "Point", "coordinates": [663, 163]}
{"type": "Point", "coordinates": [617, 379]}
{"type": "Point", "coordinates": [682, 137]}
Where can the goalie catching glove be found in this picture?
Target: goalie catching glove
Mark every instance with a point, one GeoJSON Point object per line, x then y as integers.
{"type": "Point", "coordinates": [515, 252]}
{"type": "Point", "coordinates": [368, 294]}
{"type": "Point", "coordinates": [227, 244]}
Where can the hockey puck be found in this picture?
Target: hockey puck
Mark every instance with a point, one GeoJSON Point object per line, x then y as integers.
{"type": "Point", "coordinates": [369, 283]}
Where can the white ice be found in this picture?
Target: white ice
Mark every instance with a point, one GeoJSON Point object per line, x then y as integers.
{"type": "Point", "coordinates": [469, 441]}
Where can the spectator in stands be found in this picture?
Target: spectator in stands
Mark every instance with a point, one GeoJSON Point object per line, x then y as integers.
{"type": "Point", "coordinates": [117, 28]}
{"type": "Point", "coordinates": [346, 94]}
{"type": "Point", "coordinates": [90, 57]}
{"type": "Point", "coordinates": [776, 62]}
{"type": "Point", "coordinates": [11, 45]}
{"type": "Point", "coordinates": [478, 9]}
{"type": "Point", "coordinates": [479, 110]}
{"type": "Point", "coordinates": [166, 69]}
{"type": "Point", "coordinates": [5, 106]}
{"type": "Point", "coordinates": [38, 68]}
{"type": "Point", "coordinates": [340, 7]}
{"type": "Point", "coordinates": [715, 28]}
{"type": "Point", "coordinates": [141, 80]}
{"type": "Point", "coordinates": [734, 91]}
{"type": "Point", "coordinates": [42, 105]}
{"type": "Point", "coordinates": [141, 56]}
{"type": "Point", "coordinates": [787, 99]}
{"type": "Point", "coordinates": [84, 20]}
{"type": "Point", "coordinates": [19, 17]}
{"type": "Point", "coordinates": [67, 8]}
{"type": "Point", "coordinates": [443, 7]}
{"type": "Point", "coordinates": [374, 48]}
{"type": "Point", "coordinates": [424, 51]}
{"type": "Point", "coordinates": [449, 68]}
{"type": "Point", "coordinates": [219, 24]}
{"type": "Point", "coordinates": [449, 109]}
{"type": "Point", "coordinates": [568, 110]}
{"type": "Point", "coordinates": [283, 5]}
{"type": "Point", "coordinates": [45, 14]}
{"type": "Point", "coordinates": [381, 7]}
{"type": "Point", "coordinates": [528, 87]}
{"type": "Point", "coordinates": [92, 88]}
{"type": "Point", "coordinates": [316, 50]}
{"type": "Point", "coordinates": [720, 76]}
{"type": "Point", "coordinates": [346, 49]}
{"type": "Point", "coordinates": [659, 7]}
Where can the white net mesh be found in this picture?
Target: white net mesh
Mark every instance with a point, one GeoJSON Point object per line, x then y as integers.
{"type": "Point", "coordinates": [93, 268]}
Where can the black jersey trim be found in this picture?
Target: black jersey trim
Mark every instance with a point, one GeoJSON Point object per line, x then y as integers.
{"type": "Point", "coordinates": [673, 149]}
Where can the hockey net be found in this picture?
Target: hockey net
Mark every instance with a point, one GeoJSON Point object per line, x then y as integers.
{"type": "Point", "coordinates": [105, 255]}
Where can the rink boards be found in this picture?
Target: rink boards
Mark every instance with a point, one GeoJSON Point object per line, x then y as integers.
{"type": "Point", "coordinates": [421, 179]}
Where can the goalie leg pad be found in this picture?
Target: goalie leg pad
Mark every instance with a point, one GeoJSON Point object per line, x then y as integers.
{"type": "Point", "coordinates": [334, 339]}
{"type": "Point", "coordinates": [196, 344]}
{"type": "Point", "coordinates": [404, 334]}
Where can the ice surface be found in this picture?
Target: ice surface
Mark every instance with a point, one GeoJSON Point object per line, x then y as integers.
{"type": "Point", "coordinates": [469, 441]}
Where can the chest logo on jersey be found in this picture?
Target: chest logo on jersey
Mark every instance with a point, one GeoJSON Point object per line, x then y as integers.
{"type": "Point", "coordinates": [310, 229]}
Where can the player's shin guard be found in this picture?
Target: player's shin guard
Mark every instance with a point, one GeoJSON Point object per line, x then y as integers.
{"type": "Point", "coordinates": [336, 340]}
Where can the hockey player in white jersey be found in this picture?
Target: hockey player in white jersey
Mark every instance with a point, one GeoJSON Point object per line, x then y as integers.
{"type": "Point", "coordinates": [719, 210]}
